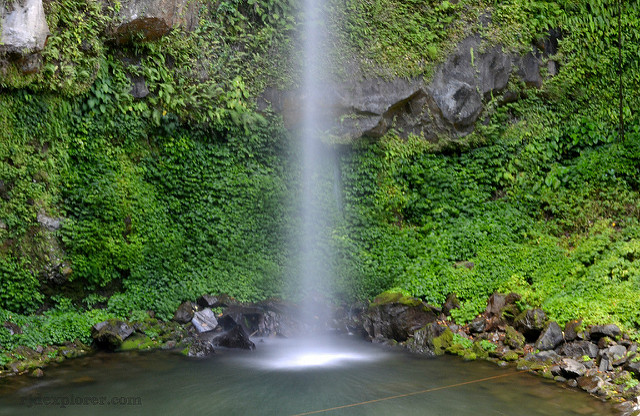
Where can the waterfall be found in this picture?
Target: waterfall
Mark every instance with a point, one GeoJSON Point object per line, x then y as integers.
{"type": "Point", "coordinates": [314, 268]}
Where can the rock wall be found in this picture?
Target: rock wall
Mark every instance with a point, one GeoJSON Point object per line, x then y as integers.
{"type": "Point", "coordinates": [448, 105]}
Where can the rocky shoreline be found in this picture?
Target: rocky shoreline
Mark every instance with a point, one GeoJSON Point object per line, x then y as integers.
{"type": "Point", "coordinates": [599, 359]}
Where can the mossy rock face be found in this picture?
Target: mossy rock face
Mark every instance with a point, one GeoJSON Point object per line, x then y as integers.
{"type": "Point", "coordinates": [395, 297]}
{"type": "Point", "coordinates": [457, 349]}
{"type": "Point", "coordinates": [470, 356]}
{"type": "Point", "coordinates": [477, 349]}
{"type": "Point", "coordinates": [510, 356]}
{"type": "Point", "coordinates": [138, 342]}
{"type": "Point", "coordinates": [513, 338]}
{"type": "Point", "coordinates": [441, 343]}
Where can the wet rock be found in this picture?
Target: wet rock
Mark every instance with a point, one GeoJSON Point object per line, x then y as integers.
{"type": "Point", "coordinates": [433, 339]}
{"type": "Point", "coordinates": [211, 301]}
{"type": "Point", "coordinates": [571, 368]}
{"type": "Point", "coordinates": [550, 337]}
{"type": "Point", "coordinates": [589, 383]}
{"type": "Point", "coordinates": [184, 313]}
{"type": "Point", "coordinates": [394, 316]}
{"type": "Point", "coordinates": [200, 348]}
{"type": "Point", "coordinates": [531, 323]}
{"type": "Point", "coordinates": [598, 331]}
{"type": "Point", "coordinates": [234, 338]}
{"type": "Point", "coordinates": [37, 373]}
{"type": "Point", "coordinates": [110, 334]}
{"type": "Point", "coordinates": [605, 342]}
{"type": "Point", "coordinates": [24, 27]}
{"type": "Point", "coordinates": [578, 349]}
{"type": "Point", "coordinates": [204, 320]}
{"type": "Point", "coordinates": [571, 330]}
{"type": "Point", "coordinates": [450, 304]}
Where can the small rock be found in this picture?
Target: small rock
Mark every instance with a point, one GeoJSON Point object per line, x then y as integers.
{"type": "Point", "coordinates": [204, 320]}
{"type": "Point", "coordinates": [531, 323]}
{"type": "Point", "coordinates": [605, 342]}
{"type": "Point", "coordinates": [578, 349]}
{"type": "Point", "coordinates": [495, 304]}
{"type": "Point", "coordinates": [37, 373]}
{"type": "Point", "coordinates": [200, 349]}
{"type": "Point", "coordinates": [49, 223]}
{"type": "Point", "coordinates": [572, 383]}
{"type": "Point", "coordinates": [110, 334]}
{"type": "Point", "coordinates": [550, 338]}
{"type": "Point", "coordinates": [513, 338]}
{"type": "Point", "coordinates": [571, 368]}
{"type": "Point", "coordinates": [633, 367]}
{"type": "Point", "coordinates": [598, 331]}
{"type": "Point", "coordinates": [184, 313]}
{"type": "Point", "coordinates": [477, 326]}
{"type": "Point", "coordinates": [616, 354]}
{"type": "Point", "coordinates": [571, 330]}
{"type": "Point", "coordinates": [234, 338]}
{"type": "Point", "coordinates": [590, 384]}
{"type": "Point", "coordinates": [605, 364]}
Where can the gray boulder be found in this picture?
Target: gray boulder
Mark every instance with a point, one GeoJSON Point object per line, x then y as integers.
{"type": "Point", "coordinates": [184, 313]}
{"type": "Point", "coordinates": [110, 334]}
{"type": "Point", "coordinates": [204, 320]}
{"type": "Point", "coordinates": [397, 318]}
{"type": "Point", "coordinates": [570, 368]}
{"type": "Point", "coordinates": [531, 323]}
{"type": "Point", "coordinates": [233, 338]}
{"type": "Point", "coordinates": [550, 337]}
{"type": "Point", "coordinates": [148, 20]}
{"type": "Point", "coordinates": [599, 331]}
{"type": "Point", "coordinates": [578, 349]}
{"type": "Point", "coordinates": [24, 27]}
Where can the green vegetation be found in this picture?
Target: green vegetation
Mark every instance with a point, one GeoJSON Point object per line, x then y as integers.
{"type": "Point", "coordinates": [189, 190]}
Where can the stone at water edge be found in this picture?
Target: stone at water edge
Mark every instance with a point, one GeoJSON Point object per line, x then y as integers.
{"type": "Point", "coordinates": [550, 338]}
{"type": "Point", "coordinates": [396, 317]}
{"type": "Point", "coordinates": [199, 349]}
{"type": "Point", "coordinates": [571, 368]}
{"type": "Point", "coordinates": [110, 334]}
{"type": "Point", "coordinates": [204, 320]}
{"type": "Point", "coordinates": [433, 339]}
{"type": "Point", "coordinates": [590, 384]}
{"type": "Point", "coordinates": [234, 338]}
